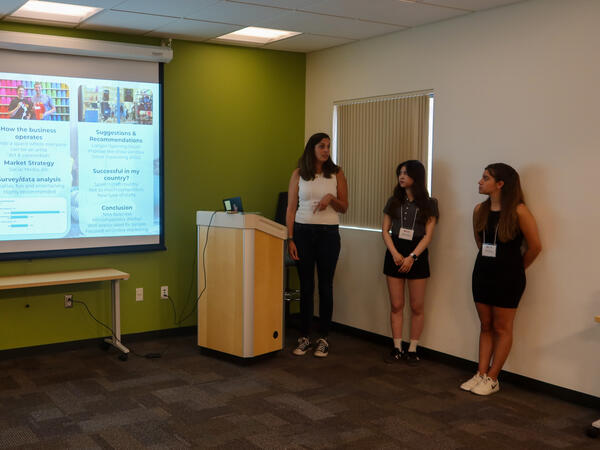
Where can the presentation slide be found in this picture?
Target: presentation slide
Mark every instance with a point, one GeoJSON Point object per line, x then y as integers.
{"type": "Point", "coordinates": [80, 158]}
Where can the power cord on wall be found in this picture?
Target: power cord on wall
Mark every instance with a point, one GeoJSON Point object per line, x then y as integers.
{"type": "Point", "coordinates": [204, 273]}
{"type": "Point", "coordinates": [174, 310]}
{"type": "Point", "coordinates": [193, 276]}
{"type": "Point", "coordinates": [189, 291]}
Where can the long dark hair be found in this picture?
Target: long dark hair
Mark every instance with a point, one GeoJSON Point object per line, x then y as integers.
{"type": "Point", "coordinates": [426, 205]}
{"type": "Point", "coordinates": [511, 196]}
{"type": "Point", "coordinates": [307, 162]}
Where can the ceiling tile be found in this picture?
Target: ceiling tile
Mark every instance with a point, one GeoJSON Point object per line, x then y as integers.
{"type": "Point", "coordinates": [124, 21]}
{"type": "Point", "coordinates": [285, 4]}
{"type": "Point", "coordinates": [234, 44]}
{"type": "Point", "coordinates": [324, 23]}
{"type": "Point", "coordinates": [104, 4]}
{"type": "Point", "coordinates": [307, 43]}
{"type": "Point", "coordinates": [193, 30]}
{"type": "Point", "coordinates": [173, 8]}
{"type": "Point", "coordinates": [388, 11]}
{"type": "Point", "coordinates": [328, 25]}
{"type": "Point", "coordinates": [472, 5]}
{"type": "Point", "coordinates": [237, 13]}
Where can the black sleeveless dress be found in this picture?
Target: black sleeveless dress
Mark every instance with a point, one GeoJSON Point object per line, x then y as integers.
{"type": "Point", "coordinates": [499, 281]}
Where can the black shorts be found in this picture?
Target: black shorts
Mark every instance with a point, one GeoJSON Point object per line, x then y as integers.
{"type": "Point", "coordinates": [419, 269]}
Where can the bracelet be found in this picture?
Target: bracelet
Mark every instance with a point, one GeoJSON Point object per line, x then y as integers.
{"type": "Point", "coordinates": [415, 257]}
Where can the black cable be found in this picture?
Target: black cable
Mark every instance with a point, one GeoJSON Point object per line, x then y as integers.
{"type": "Point", "coordinates": [147, 355]}
{"type": "Point", "coordinates": [189, 291]}
{"type": "Point", "coordinates": [203, 270]}
{"type": "Point", "coordinates": [174, 310]}
{"type": "Point", "coordinates": [92, 316]}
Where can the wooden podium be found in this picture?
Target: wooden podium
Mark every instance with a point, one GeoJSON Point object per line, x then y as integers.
{"type": "Point", "coordinates": [241, 310]}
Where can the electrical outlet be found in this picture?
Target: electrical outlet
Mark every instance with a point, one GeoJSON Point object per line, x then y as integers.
{"type": "Point", "coordinates": [139, 294]}
{"type": "Point", "coordinates": [164, 292]}
{"type": "Point", "coordinates": [68, 301]}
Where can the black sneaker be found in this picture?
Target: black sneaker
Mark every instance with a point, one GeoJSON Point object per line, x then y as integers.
{"type": "Point", "coordinates": [303, 346]}
{"type": "Point", "coordinates": [322, 349]}
{"type": "Point", "coordinates": [412, 358]}
{"type": "Point", "coordinates": [396, 355]}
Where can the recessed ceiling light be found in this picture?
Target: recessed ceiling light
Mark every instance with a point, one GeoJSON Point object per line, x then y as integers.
{"type": "Point", "coordinates": [53, 12]}
{"type": "Point", "coordinates": [258, 35]}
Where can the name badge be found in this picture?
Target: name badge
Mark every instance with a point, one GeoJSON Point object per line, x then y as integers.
{"type": "Point", "coordinates": [488, 250]}
{"type": "Point", "coordinates": [406, 233]}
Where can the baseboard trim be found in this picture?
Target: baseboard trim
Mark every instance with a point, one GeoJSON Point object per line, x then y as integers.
{"type": "Point", "coordinates": [88, 343]}
{"type": "Point", "coordinates": [552, 390]}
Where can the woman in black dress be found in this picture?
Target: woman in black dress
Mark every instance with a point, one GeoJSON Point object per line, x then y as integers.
{"type": "Point", "coordinates": [411, 215]}
{"type": "Point", "coordinates": [500, 224]}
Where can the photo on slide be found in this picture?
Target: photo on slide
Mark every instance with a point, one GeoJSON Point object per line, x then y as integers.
{"type": "Point", "coordinates": [110, 104]}
{"type": "Point", "coordinates": [34, 100]}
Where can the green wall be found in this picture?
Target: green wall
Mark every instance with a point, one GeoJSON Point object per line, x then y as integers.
{"type": "Point", "coordinates": [233, 125]}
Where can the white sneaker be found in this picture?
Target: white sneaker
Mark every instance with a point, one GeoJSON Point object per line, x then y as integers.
{"type": "Point", "coordinates": [303, 346]}
{"type": "Point", "coordinates": [322, 349]}
{"type": "Point", "coordinates": [471, 383]}
{"type": "Point", "coordinates": [486, 387]}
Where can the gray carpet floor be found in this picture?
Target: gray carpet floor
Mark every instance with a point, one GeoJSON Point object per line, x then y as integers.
{"type": "Point", "coordinates": [88, 399]}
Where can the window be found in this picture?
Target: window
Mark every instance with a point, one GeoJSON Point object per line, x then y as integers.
{"type": "Point", "coordinates": [370, 138]}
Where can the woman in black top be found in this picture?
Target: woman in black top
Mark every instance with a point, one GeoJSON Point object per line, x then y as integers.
{"type": "Point", "coordinates": [411, 215]}
{"type": "Point", "coordinates": [500, 224]}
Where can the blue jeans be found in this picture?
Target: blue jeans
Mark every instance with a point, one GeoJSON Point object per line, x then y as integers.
{"type": "Point", "coordinates": [320, 245]}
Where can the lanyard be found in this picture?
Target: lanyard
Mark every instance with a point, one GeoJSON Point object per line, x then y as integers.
{"type": "Point", "coordinates": [414, 219]}
{"type": "Point", "coordinates": [495, 235]}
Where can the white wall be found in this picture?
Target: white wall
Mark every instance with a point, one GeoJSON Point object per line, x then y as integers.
{"type": "Point", "coordinates": [518, 84]}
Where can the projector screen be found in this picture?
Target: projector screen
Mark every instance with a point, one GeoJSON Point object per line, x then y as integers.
{"type": "Point", "coordinates": [81, 166]}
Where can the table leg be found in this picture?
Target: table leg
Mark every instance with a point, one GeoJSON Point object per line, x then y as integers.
{"type": "Point", "coordinates": [116, 317]}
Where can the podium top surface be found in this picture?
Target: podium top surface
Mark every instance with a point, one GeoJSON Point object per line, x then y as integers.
{"type": "Point", "coordinates": [241, 220]}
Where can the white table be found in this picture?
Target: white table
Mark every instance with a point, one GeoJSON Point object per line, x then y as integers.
{"type": "Point", "coordinates": [75, 277]}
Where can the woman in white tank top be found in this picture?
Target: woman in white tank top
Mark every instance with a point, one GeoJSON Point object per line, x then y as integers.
{"type": "Point", "coordinates": [317, 194]}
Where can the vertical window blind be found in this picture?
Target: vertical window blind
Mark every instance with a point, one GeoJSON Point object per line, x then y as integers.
{"type": "Point", "coordinates": [372, 136]}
